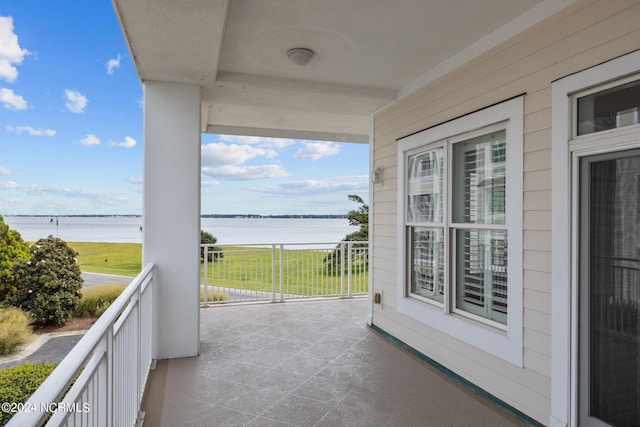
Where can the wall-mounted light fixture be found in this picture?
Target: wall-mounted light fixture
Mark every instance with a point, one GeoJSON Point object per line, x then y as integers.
{"type": "Point", "coordinates": [377, 175]}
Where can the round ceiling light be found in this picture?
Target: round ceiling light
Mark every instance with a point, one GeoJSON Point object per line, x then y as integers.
{"type": "Point", "coordinates": [300, 55]}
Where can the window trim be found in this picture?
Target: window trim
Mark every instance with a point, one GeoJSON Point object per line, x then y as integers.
{"type": "Point", "coordinates": [503, 342]}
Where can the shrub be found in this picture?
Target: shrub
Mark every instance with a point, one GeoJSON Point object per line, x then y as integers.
{"type": "Point", "coordinates": [214, 296]}
{"type": "Point", "coordinates": [12, 248]}
{"type": "Point", "coordinates": [48, 285]}
{"type": "Point", "coordinates": [207, 238]}
{"type": "Point", "coordinates": [14, 329]}
{"type": "Point", "coordinates": [96, 299]}
{"type": "Point", "coordinates": [18, 383]}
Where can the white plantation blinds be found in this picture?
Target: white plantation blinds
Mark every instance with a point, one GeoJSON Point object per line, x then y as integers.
{"type": "Point", "coordinates": [427, 257]}
{"type": "Point", "coordinates": [481, 253]}
{"type": "Point", "coordinates": [479, 179]}
{"type": "Point", "coordinates": [425, 207]}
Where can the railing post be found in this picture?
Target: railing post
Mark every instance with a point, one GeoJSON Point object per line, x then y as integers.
{"type": "Point", "coordinates": [273, 273]}
{"type": "Point", "coordinates": [342, 248]}
{"type": "Point", "coordinates": [139, 350]}
{"type": "Point", "coordinates": [109, 420]}
{"type": "Point", "coordinates": [281, 272]}
{"type": "Point", "coordinates": [205, 260]}
{"type": "Point", "coordinates": [349, 265]}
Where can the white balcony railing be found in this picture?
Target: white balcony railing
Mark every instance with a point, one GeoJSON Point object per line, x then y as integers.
{"type": "Point", "coordinates": [283, 271]}
{"type": "Point", "coordinates": [101, 381]}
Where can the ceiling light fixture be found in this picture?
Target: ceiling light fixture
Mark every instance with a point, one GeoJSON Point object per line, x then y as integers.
{"type": "Point", "coordinates": [300, 55]}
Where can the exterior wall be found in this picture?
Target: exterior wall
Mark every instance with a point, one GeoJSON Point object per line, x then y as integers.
{"type": "Point", "coordinates": [585, 34]}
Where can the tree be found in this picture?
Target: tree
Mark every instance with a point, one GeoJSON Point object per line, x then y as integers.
{"type": "Point", "coordinates": [48, 284]}
{"type": "Point", "coordinates": [215, 252]}
{"type": "Point", "coordinates": [357, 218]}
{"type": "Point", "coordinates": [12, 248]}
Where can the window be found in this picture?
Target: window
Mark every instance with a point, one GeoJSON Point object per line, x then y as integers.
{"type": "Point", "coordinates": [611, 108]}
{"type": "Point", "coordinates": [425, 210]}
{"type": "Point", "coordinates": [481, 255]}
{"type": "Point", "coordinates": [461, 227]}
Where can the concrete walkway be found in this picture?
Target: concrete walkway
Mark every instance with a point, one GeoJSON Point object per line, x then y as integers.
{"type": "Point", "coordinates": [92, 279]}
{"type": "Point", "coordinates": [46, 348]}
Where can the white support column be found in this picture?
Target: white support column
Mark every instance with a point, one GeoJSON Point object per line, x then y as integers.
{"type": "Point", "coordinates": [372, 140]}
{"type": "Point", "coordinates": [172, 214]}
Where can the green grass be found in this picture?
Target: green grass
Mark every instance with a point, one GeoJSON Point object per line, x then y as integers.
{"type": "Point", "coordinates": [110, 258]}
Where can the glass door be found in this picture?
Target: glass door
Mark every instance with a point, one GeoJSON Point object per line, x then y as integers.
{"type": "Point", "coordinates": [609, 290]}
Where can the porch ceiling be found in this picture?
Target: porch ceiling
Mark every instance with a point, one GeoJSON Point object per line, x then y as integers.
{"type": "Point", "coordinates": [368, 53]}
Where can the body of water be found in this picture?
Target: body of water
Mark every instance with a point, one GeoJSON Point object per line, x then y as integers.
{"type": "Point", "coordinates": [227, 230]}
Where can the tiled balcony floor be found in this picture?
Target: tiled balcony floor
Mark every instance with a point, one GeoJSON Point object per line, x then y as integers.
{"type": "Point", "coordinates": [305, 364]}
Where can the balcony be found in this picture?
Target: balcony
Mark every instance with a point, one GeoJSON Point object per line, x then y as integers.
{"type": "Point", "coordinates": [313, 363]}
{"type": "Point", "coordinates": [306, 363]}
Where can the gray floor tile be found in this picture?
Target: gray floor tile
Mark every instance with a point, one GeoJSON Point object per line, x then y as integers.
{"type": "Point", "coordinates": [309, 364]}
{"type": "Point", "coordinates": [299, 411]}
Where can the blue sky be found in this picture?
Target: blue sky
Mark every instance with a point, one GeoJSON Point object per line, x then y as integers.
{"type": "Point", "coordinates": [71, 130]}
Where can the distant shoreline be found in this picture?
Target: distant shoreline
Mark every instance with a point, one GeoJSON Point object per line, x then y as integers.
{"type": "Point", "coordinates": [296, 216]}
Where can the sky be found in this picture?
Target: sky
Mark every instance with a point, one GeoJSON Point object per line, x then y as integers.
{"type": "Point", "coordinates": [71, 130]}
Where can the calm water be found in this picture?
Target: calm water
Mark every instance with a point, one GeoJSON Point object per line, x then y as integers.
{"type": "Point", "coordinates": [227, 230]}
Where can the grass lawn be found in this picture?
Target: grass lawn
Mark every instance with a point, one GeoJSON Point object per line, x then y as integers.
{"type": "Point", "coordinates": [111, 258]}
{"type": "Point", "coordinates": [304, 272]}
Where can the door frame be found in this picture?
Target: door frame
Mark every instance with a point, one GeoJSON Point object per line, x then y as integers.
{"type": "Point", "coordinates": [566, 153]}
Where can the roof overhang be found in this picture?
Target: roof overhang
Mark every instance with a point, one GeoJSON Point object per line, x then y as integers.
{"type": "Point", "coordinates": [368, 54]}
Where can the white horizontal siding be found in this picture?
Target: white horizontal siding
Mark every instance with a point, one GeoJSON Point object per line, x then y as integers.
{"type": "Point", "coordinates": [585, 34]}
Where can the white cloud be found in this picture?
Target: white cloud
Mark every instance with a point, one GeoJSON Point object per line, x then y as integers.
{"type": "Point", "coordinates": [227, 161]}
{"type": "Point", "coordinates": [209, 183]}
{"type": "Point", "coordinates": [135, 180]}
{"type": "Point", "coordinates": [235, 172]}
{"type": "Point", "coordinates": [5, 171]}
{"type": "Point", "coordinates": [271, 145]}
{"type": "Point", "coordinates": [274, 143]}
{"type": "Point", "coordinates": [10, 51]}
{"type": "Point", "coordinates": [112, 64]}
{"type": "Point", "coordinates": [41, 190]}
{"type": "Point", "coordinates": [10, 185]}
{"type": "Point", "coordinates": [317, 150]}
{"type": "Point", "coordinates": [11, 101]}
{"type": "Point", "coordinates": [318, 186]}
{"type": "Point", "coordinates": [218, 154]}
{"type": "Point", "coordinates": [76, 102]}
{"type": "Point", "coordinates": [127, 143]}
{"type": "Point", "coordinates": [31, 131]}
{"type": "Point", "coordinates": [11, 200]}
{"type": "Point", "coordinates": [90, 140]}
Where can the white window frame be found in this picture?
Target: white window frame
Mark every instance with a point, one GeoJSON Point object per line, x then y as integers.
{"type": "Point", "coordinates": [502, 341]}
{"type": "Point", "coordinates": [567, 149]}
